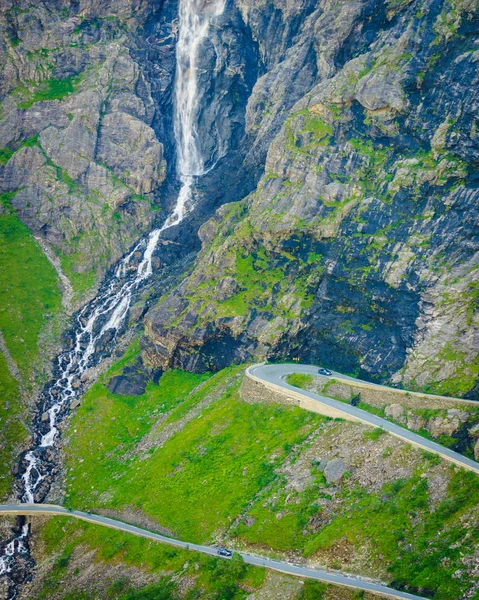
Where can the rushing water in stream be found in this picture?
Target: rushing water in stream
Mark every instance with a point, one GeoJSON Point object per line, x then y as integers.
{"type": "Point", "coordinates": [105, 315]}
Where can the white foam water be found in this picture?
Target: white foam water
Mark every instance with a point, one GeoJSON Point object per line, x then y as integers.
{"type": "Point", "coordinates": [107, 313]}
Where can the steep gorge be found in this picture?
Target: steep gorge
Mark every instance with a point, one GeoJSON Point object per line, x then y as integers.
{"type": "Point", "coordinates": [327, 173]}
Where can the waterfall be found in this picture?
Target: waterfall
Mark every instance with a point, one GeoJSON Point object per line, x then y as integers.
{"type": "Point", "coordinates": [108, 311]}
{"type": "Point", "coordinates": [195, 19]}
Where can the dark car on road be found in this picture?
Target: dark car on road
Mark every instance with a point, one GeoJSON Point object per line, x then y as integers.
{"type": "Point", "coordinates": [225, 552]}
{"type": "Point", "coordinates": [326, 372]}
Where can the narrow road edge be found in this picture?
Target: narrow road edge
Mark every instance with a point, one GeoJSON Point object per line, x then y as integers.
{"type": "Point", "coordinates": [271, 377]}
{"type": "Point", "coordinates": [350, 581]}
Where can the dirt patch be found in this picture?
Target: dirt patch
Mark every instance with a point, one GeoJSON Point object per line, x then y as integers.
{"type": "Point", "coordinates": [84, 573]}
{"type": "Point", "coordinates": [278, 587]}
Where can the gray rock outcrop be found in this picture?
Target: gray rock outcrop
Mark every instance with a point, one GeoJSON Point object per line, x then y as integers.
{"type": "Point", "coordinates": [334, 470]}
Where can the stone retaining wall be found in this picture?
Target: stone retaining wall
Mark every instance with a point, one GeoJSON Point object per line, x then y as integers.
{"type": "Point", "coordinates": [252, 391]}
{"type": "Point", "coordinates": [382, 396]}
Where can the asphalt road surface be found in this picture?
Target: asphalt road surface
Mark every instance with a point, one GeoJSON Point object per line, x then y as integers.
{"type": "Point", "coordinates": [276, 374]}
{"type": "Point", "coordinates": [276, 565]}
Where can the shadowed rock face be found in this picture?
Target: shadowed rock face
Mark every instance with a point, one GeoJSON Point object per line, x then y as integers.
{"type": "Point", "coordinates": [358, 247]}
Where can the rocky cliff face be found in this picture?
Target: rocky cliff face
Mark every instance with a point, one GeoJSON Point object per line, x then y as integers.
{"type": "Point", "coordinates": [82, 162]}
{"type": "Point", "coordinates": [342, 137]}
{"type": "Point", "coordinates": [358, 246]}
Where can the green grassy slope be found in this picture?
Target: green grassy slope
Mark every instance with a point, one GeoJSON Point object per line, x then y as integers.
{"type": "Point", "coordinates": [212, 578]}
{"type": "Point", "coordinates": [193, 457]}
{"type": "Point", "coordinates": [12, 430]}
{"type": "Point", "coordinates": [202, 476]}
{"type": "Point", "coordinates": [29, 293]}
{"type": "Point", "coordinates": [30, 299]}
{"type": "Point", "coordinates": [173, 573]}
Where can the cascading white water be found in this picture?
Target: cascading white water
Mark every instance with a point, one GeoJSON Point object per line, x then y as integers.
{"type": "Point", "coordinates": [108, 311]}
{"type": "Point", "coordinates": [195, 20]}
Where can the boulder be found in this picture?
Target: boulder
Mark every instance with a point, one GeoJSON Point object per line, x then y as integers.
{"type": "Point", "coordinates": [334, 470]}
{"type": "Point", "coordinates": [461, 415]}
{"type": "Point", "coordinates": [415, 422]}
{"type": "Point", "coordinates": [438, 426]}
{"type": "Point", "coordinates": [395, 412]}
{"type": "Point", "coordinates": [128, 385]}
{"type": "Point", "coordinates": [474, 431]}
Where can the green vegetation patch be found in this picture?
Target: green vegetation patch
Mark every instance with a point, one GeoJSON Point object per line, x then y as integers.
{"type": "Point", "coordinates": [29, 293]}
{"type": "Point", "coordinates": [265, 281]}
{"type": "Point", "coordinates": [313, 590]}
{"type": "Point", "coordinates": [53, 89]}
{"type": "Point", "coordinates": [256, 279]}
{"type": "Point", "coordinates": [424, 548]}
{"type": "Point", "coordinates": [210, 577]}
{"type": "Point", "coordinates": [13, 431]}
{"type": "Point", "coordinates": [81, 281]}
{"type": "Point", "coordinates": [463, 379]}
{"type": "Point", "coordinates": [5, 155]}
{"type": "Point", "coordinates": [300, 380]}
{"type": "Point", "coordinates": [305, 132]}
{"type": "Point", "coordinates": [419, 546]}
{"type": "Point", "coordinates": [199, 477]}
{"type": "Point", "coordinates": [374, 434]}
{"type": "Point", "coordinates": [29, 302]}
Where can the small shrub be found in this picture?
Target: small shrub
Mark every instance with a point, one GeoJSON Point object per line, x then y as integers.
{"type": "Point", "coordinates": [313, 590]}
{"type": "Point", "coordinates": [373, 435]}
{"type": "Point", "coordinates": [300, 380]}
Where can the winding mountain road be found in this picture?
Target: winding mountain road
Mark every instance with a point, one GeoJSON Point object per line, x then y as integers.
{"type": "Point", "coordinates": [348, 581]}
{"type": "Point", "coordinates": [274, 377]}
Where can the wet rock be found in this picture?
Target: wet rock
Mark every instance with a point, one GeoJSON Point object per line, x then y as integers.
{"type": "Point", "coordinates": [155, 263]}
{"type": "Point", "coordinates": [45, 417]}
{"type": "Point", "coordinates": [133, 380]}
{"type": "Point", "coordinates": [128, 385]}
{"type": "Point", "coordinates": [136, 312]}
